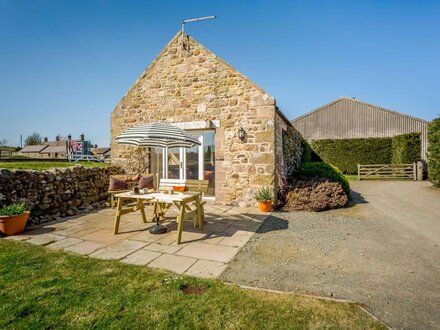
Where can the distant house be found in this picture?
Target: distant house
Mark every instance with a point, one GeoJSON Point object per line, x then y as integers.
{"type": "Point", "coordinates": [102, 153]}
{"type": "Point", "coordinates": [52, 149]}
{"type": "Point", "coordinates": [347, 118]}
{"type": "Point", "coordinates": [33, 151]}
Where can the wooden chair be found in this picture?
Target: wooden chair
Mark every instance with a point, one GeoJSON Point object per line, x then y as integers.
{"type": "Point", "coordinates": [200, 186]}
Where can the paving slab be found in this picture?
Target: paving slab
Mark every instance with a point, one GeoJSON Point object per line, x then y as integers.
{"type": "Point", "coordinates": [61, 244]}
{"type": "Point", "coordinates": [85, 247]}
{"type": "Point", "coordinates": [146, 236]}
{"type": "Point", "coordinates": [172, 262]}
{"type": "Point", "coordinates": [141, 257]}
{"type": "Point", "coordinates": [170, 249]}
{"type": "Point", "coordinates": [118, 250]}
{"type": "Point", "coordinates": [208, 251]}
{"type": "Point", "coordinates": [206, 269]}
{"type": "Point", "coordinates": [17, 237]}
{"type": "Point", "coordinates": [238, 239]}
{"type": "Point", "coordinates": [106, 236]}
{"type": "Point", "coordinates": [44, 239]}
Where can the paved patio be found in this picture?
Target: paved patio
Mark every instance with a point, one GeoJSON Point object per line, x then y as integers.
{"type": "Point", "coordinates": [202, 253]}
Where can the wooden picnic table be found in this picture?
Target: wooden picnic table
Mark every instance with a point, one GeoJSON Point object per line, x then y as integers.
{"type": "Point", "coordinates": [161, 204]}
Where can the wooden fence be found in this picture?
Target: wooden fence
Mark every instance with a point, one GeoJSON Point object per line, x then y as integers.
{"type": "Point", "coordinates": [388, 171]}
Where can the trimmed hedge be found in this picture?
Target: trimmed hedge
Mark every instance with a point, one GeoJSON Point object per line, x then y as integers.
{"type": "Point", "coordinates": [406, 148]}
{"type": "Point", "coordinates": [345, 154]}
{"type": "Point", "coordinates": [324, 170]}
{"type": "Point", "coordinates": [434, 152]}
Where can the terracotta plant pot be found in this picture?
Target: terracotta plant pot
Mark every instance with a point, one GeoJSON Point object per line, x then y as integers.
{"type": "Point", "coordinates": [265, 206]}
{"type": "Point", "coordinates": [13, 225]}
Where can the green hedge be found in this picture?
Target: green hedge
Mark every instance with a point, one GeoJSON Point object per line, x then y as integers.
{"type": "Point", "coordinates": [434, 152]}
{"type": "Point", "coordinates": [345, 154]}
{"type": "Point", "coordinates": [324, 170]}
{"type": "Point", "coordinates": [406, 148]}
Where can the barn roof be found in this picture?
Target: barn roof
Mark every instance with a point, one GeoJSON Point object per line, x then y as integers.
{"type": "Point", "coordinates": [33, 148]}
{"type": "Point", "coordinates": [54, 149]}
{"type": "Point", "coordinates": [364, 106]}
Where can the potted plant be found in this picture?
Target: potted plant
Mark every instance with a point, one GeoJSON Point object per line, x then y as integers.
{"type": "Point", "coordinates": [264, 196]}
{"type": "Point", "coordinates": [13, 218]}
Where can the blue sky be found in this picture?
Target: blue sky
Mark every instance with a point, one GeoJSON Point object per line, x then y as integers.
{"type": "Point", "coordinates": [64, 65]}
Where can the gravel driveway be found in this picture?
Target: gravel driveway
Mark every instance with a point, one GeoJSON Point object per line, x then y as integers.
{"type": "Point", "coordinates": [383, 252]}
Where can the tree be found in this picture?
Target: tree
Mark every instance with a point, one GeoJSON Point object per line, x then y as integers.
{"type": "Point", "coordinates": [3, 142]}
{"type": "Point", "coordinates": [33, 139]}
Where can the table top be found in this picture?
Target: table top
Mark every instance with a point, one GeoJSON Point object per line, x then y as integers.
{"type": "Point", "coordinates": [160, 197]}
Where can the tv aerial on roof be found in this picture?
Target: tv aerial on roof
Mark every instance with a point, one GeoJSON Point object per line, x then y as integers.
{"type": "Point", "coordinates": [190, 20]}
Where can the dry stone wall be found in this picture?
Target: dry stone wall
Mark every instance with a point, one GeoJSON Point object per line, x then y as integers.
{"type": "Point", "coordinates": [58, 192]}
{"type": "Point", "coordinates": [187, 83]}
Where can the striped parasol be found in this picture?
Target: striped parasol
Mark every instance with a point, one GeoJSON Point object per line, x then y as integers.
{"type": "Point", "coordinates": [157, 135]}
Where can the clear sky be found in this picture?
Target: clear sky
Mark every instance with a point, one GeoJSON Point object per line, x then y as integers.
{"type": "Point", "coordinates": [64, 65]}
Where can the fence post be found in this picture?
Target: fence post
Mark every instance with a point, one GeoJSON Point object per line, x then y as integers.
{"type": "Point", "coordinates": [415, 171]}
{"type": "Point", "coordinates": [359, 172]}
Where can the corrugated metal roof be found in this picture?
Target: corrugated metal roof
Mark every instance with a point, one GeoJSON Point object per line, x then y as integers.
{"type": "Point", "coordinates": [361, 103]}
{"type": "Point", "coordinates": [34, 148]}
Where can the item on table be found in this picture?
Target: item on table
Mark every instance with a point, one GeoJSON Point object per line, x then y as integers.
{"type": "Point", "coordinates": [170, 191]}
{"type": "Point", "coordinates": [179, 188]}
{"type": "Point", "coordinates": [136, 190]}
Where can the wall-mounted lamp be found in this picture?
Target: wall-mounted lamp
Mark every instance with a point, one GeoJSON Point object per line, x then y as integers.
{"type": "Point", "coordinates": [241, 134]}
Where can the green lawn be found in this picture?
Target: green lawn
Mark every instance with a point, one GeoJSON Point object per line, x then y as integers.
{"type": "Point", "coordinates": [47, 165]}
{"type": "Point", "coordinates": [42, 289]}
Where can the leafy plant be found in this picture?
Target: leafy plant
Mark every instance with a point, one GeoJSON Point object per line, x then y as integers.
{"type": "Point", "coordinates": [13, 209]}
{"type": "Point", "coordinates": [434, 152]}
{"type": "Point", "coordinates": [264, 194]}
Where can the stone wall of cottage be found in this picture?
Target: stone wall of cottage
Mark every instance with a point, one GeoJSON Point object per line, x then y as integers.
{"type": "Point", "coordinates": [59, 192]}
{"type": "Point", "coordinates": [187, 83]}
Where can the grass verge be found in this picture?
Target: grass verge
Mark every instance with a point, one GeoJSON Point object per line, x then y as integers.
{"type": "Point", "coordinates": [46, 165]}
{"type": "Point", "coordinates": [46, 289]}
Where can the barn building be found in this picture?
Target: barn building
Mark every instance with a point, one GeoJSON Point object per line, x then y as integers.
{"type": "Point", "coordinates": [348, 118]}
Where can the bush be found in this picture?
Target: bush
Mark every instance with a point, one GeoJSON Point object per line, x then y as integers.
{"type": "Point", "coordinates": [292, 151]}
{"type": "Point", "coordinates": [434, 152]}
{"type": "Point", "coordinates": [347, 153]}
{"type": "Point", "coordinates": [406, 148]}
{"type": "Point", "coordinates": [324, 170]}
{"type": "Point", "coordinates": [314, 194]}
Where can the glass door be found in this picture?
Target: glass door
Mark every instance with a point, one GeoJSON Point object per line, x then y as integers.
{"type": "Point", "coordinates": [196, 163]}
{"type": "Point", "coordinates": [193, 165]}
{"type": "Point", "coordinates": [174, 162]}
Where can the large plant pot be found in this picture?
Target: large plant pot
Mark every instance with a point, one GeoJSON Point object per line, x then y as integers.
{"type": "Point", "coordinates": [13, 225]}
{"type": "Point", "coordinates": [265, 206]}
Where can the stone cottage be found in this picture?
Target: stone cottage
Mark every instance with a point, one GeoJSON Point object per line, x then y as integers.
{"type": "Point", "coordinates": [238, 123]}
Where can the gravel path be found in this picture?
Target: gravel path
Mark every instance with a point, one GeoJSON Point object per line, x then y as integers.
{"type": "Point", "coordinates": [383, 252]}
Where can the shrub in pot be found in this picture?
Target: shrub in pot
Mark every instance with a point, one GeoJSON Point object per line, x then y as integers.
{"type": "Point", "coordinates": [264, 197]}
{"type": "Point", "coordinates": [13, 218]}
